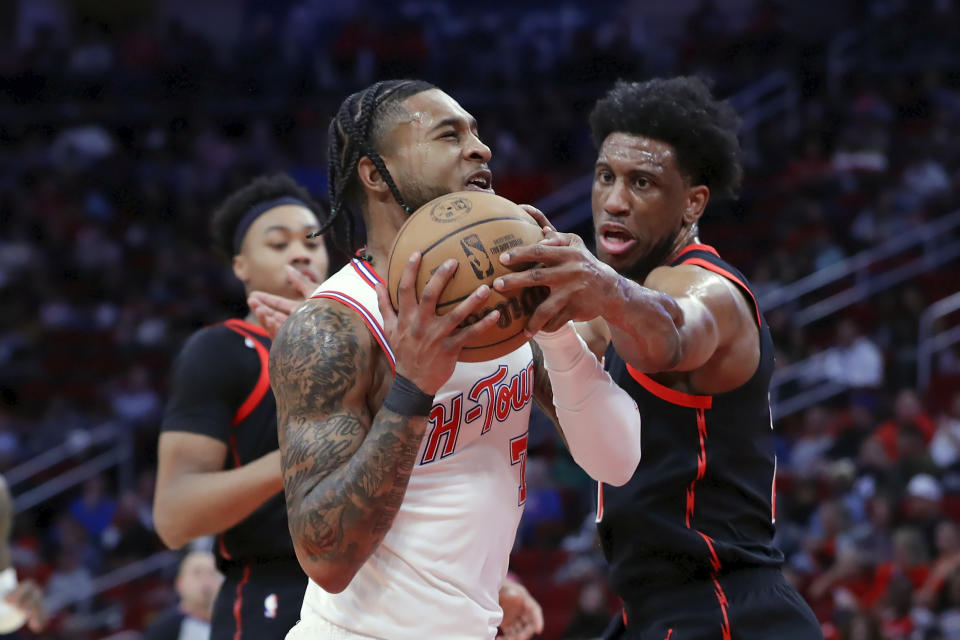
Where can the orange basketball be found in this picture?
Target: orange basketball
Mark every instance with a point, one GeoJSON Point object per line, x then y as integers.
{"type": "Point", "coordinates": [474, 227]}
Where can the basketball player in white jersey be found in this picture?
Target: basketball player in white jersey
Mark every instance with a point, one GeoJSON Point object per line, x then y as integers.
{"type": "Point", "coordinates": [404, 469]}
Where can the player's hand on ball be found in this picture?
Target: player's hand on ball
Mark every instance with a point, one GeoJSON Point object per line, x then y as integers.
{"type": "Point", "coordinates": [427, 345]}
{"type": "Point", "coordinates": [579, 283]}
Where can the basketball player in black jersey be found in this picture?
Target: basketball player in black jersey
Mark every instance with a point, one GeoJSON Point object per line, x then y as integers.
{"type": "Point", "coordinates": [689, 539]}
{"type": "Point", "coordinates": [219, 465]}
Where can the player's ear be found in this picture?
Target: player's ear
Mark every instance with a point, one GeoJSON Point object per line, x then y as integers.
{"type": "Point", "coordinates": [370, 176]}
{"type": "Point", "coordinates": [697, 198]}
{"type": "Point", "coordinates": [239, 265]}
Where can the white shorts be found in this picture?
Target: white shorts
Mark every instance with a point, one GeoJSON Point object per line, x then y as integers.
{"type": "Point", "coordinates": [321, 629]}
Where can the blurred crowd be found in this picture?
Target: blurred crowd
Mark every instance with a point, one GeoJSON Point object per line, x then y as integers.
{"type": "Point", "coordinates": [121, 128]}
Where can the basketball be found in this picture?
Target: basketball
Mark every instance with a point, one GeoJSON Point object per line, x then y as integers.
{"type": "Point", "coordinates": [474, 227]}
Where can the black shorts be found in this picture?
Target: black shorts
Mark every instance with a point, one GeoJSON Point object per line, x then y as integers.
{"type": "Point", "coordinates": [259, 601]}
{"type": "Point", "coordinates": [746, 604]}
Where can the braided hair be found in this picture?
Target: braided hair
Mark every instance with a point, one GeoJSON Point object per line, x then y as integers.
{"type": "Point", "coordinates": [356, 132]}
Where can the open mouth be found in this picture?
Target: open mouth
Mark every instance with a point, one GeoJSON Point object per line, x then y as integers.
{"type": "Point", "coordinates": [480, 181]}
{"type": "Point", "coordinates": [616, 240]}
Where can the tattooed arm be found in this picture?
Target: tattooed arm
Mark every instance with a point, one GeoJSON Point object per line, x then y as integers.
{"type": "Point", "coordinates": [345, 470]}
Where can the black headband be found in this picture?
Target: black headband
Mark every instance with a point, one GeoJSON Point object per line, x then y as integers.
{"type": "Point", "coordinates": [255, 212]}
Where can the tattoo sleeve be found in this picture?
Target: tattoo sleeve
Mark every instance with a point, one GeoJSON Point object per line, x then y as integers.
{"type": "Point", "coordinates": [344, 474]}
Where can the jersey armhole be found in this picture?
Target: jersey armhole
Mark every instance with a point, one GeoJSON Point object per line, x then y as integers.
{"type": "Point", "coordinates": [709, 266]}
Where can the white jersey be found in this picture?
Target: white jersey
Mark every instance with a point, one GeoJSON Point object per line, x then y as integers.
{"type": "Point", "coordinates": [438, 571]}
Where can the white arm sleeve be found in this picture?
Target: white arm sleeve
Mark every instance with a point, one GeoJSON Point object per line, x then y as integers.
{"type": "Point", "coordinates": [599, 419]}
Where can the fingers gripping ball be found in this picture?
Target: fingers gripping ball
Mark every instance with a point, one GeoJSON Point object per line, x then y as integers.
{"type": "Point", "coordinates": [473, 227]}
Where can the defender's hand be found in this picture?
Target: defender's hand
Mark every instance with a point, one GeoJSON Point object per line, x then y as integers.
{"type": "Point", "coordinates": [579, 283]}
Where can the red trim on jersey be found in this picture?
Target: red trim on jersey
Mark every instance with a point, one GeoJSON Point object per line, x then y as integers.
{"type": "Point", "coordinates": [714, 559]}
{"type": "Point", "coordinates": [696, 247]}
{"type": "Point", "coordinates": [624, 612]}
{"type": "Point", "coordinates": [670, 395]}
{"type": "Point", "coordinates": [238, 604]}
{"type": "Point", "coordinates": [701, 463]}
{"type": "Point", "coordinates": [709, 266]}
{"type": "Point", "coordinates": [669, 633]}
{"type": "Point", "coordinates": [246, 326]}
{"type": "Point", "coordinates": [223, 549]}
{"type": "Point", "coordinates": [371, 322]}
{"type": "Point", "coordinates": [722, 599]}
{"type": "Point", "coordinates": [263, 381]}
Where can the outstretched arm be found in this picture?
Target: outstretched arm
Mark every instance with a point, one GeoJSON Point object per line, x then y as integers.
{"type": "Point", "coordinates": [674, 321]}
{"type": "Point", "coordinates": [598, 420]}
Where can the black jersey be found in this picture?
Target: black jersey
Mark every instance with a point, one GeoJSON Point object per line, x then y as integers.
{"type": "Point", "coordinates": [221, 388]}
{"type": "Point", "coordinates": [701, 501]}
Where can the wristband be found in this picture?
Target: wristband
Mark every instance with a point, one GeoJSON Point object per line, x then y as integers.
{"type": "Point", "coordinates": [407, 399]}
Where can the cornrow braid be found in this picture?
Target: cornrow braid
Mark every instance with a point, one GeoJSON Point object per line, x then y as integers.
{"type": "Point", "coordinates": [353, 134]}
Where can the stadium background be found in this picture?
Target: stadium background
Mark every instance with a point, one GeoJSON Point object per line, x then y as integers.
{"type": "Point", "coordinates": [121, 124]}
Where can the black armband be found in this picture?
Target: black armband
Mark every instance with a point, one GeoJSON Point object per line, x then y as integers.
{"type": "Point", "coordinates": [407, 399]}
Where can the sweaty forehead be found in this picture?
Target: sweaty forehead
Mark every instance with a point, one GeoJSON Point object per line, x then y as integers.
{"type": "Point", "coordinates": [428, 108]}
{"type": "Point", "coordinates": [626, 150]}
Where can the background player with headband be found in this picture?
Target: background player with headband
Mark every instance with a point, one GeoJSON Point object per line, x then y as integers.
{"type": "Point", "coordinates": [404, 490]}
{"type": "Point", "coordinates": [219, 468]}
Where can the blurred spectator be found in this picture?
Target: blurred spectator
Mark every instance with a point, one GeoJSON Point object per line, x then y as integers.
{"type": "Point", "coordinates": [70, 585]}
{"type": "Point", "coordinates": [945, 445]}
{"type": "Point", "coordinates": [908, 414]}
{"type": "Point", "coordinates": [946, 564]}
{"type": "Point", "coordinates": [592, 614]}
{"type": "Point", "coordinates": [855, 361]}
{"type": "Point", "coordinates": [949, 621]}
{"type": "Point", "coordinates": [923, 506]}
{"type": "Point", "coordinates": [861, 626]}
{"type": "Point", "coordinates": [874, 538]}
{"type": "Point", "coordinates": [197, 584]}
{"type": "Point", "coordinates": [94, 509]}
{"type": "Point", "coordinates": [807, 454]}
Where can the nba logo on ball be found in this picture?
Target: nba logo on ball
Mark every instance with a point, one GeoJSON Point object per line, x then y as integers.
{"type": "Point", "coordinates": [270, 605]}
{"type": "Point", "coordinates": [477, 256]}
{"type": "Point", "coordinates": [450, 209]}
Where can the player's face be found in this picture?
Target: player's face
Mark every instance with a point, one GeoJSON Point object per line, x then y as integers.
{"type": "Point", "coordinates": [436, 149]}
{"type": "Point", "coordinates": [638, 200]}
{"type": "Point", "coordinates": [278, 238]}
